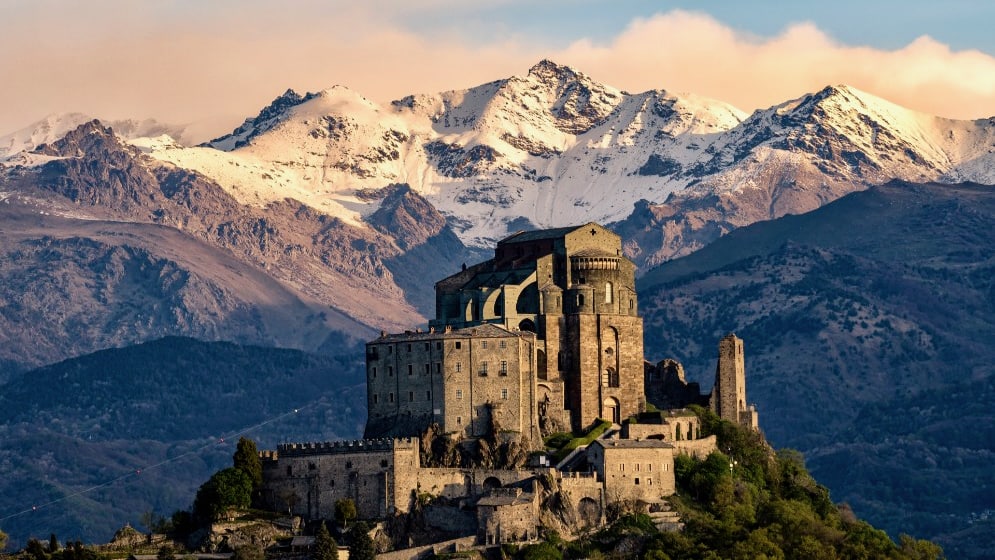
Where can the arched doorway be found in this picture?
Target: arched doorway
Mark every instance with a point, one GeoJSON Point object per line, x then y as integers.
{"type": "Point", "coordinates": [490, 483]}
{"type": "Point", "coordinates": [527, 325]}
{"type": "Point", "coordinates": [611, 411]}
{"type": "Point", "coordinates": [589, 512]}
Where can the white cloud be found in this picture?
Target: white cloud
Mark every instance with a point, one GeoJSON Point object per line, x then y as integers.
{"type": "Point", "coordinates": [123, 59]}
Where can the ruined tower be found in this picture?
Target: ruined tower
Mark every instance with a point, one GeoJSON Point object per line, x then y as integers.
{"type": "Point", "coordinates": [728, 398]}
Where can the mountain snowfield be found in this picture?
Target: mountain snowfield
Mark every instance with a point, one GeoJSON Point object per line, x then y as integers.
{"type": "Point", "coordinates": [554, 147]}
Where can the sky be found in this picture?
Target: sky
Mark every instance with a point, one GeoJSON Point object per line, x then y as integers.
{"type": "Point", "coordinates": [211, 64]}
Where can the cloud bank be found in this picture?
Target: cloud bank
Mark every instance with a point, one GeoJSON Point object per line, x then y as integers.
{"type": "Point", "coordinates": [218, 66]}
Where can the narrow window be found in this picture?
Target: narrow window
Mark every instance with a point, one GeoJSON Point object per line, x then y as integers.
{"type": "Point", "coordinates": [483, 344]}
{"type": "Point", "coordinates": [459, 394]}
{"type": "Point", "coordinates": [411, 396]}
{"type": "Point", "coordinates": [376, 398]}
{"type": "Point", "coordinates": [428, 395]}
{"type": "Point", "coordinates": [637, 481]}
{"type": "Point", "coordinates": [504, 394]}
{"type": "Point", "coordinates": [483, 368]}
{"type": "Point", "coordinates": [374, 373]}
{"type": "Point", "coordinates": [459, 344]}
{"type": "Point", "coordinates": [580, 300]}
{"type": "Point", "coordinates": [459, 420]}
{"type": "Point", "coordinates": [438, 367]}
{"type": "Point", "coordinates": [504, 367]}
{"type": "Point", "coordinates": [608, 292]}
{"type": "Point", "coordinates": [392, 396]}
{"type": "Point", "coordinates": [459, 367]}
{"type": "Point", "coordinates": [502, 344]}
{"type": "Point", "coordinates": [390, 349]}
{"type": "Point", "coordinates": [428, 369]}
{"type": "Point", "coordinates": [390, 371]}
{"type": "Point", "coordinates": [409, 348]}
{"type": "Point", "coordinates": [410, 370]}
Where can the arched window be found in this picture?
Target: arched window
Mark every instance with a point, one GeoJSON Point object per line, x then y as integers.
{"type": "Point", "coordinates": [608, 292]}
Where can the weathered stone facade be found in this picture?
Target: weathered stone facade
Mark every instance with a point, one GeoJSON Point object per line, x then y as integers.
{"type": "Point", "coordinates": [546, 336]}
{"type": "Point", "coordinates": [461, 379]}
{"type": "Point", "coordinates": [576, 291]}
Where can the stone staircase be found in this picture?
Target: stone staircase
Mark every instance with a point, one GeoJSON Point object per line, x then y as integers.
{"type": "Point", "coordinates": [664, 517]}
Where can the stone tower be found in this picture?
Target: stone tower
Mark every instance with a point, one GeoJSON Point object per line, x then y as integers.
{"type": "Point", "coordinates": [575, 290]}
{"type": "Point", "coordinates": [728, 398]}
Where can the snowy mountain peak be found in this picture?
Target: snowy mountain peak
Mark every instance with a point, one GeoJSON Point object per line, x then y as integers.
{"type": "Point", "coordinates": [267, 118]}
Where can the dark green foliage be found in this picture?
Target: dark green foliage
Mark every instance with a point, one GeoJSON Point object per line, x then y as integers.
{"type": "Point", "coordinates": [226, 489]}
{"type": "Point", "coordinates": [345, 511]}
{"type": "Point", "coordinates": [361, 547]}
{"type": "Point", "coordinates": [541, 551]}
{"type": "Point", "coordinates": [246, 459]}
{"type": "Point", "coordinates": [3, 540]}
{"type": "Point", "coordinates": [325, 547]}
{"type": "Point", "coordinates": [166, 552]}
{"type": "Point", "coordinates": [745, 503]}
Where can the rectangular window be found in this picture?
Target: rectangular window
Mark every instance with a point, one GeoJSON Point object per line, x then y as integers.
{"type": "Point", "coordinates": [504, 367]}
{"type": "Point", "coordinates": [428, 369]}
{"type": "Point", "coordinates": [409, 348]}
{"type": "Point", "coordinates": [376, 398]}
{"type": "Point", "coordinates": [411, 396]}
{"type": "Point", "coordinates": [459, 344]}
{"type": "Point", "coordinates": [650, 467]}
{"type": "Point", "coordinates": [637, 467]}
{"type": "Point", "coordinates": [428, 395]}
{"type": "Point", "coordinates": [459, 420]}
{"type": "Point", "coordinates": [502, 344]}
{"type": "Point", "coordinates": [483, 344]}
{"type": "Point", "coordinates": [390, 371]}
{"type": "Point", "coordinates": [374, 373]}
{"type": "Point", "coordinates": [504, 394]}
{"type": "Point", "coordinates": [390, 349]}
{"type": "Point", "coordinates": [637, 481]}
{"type": "Point", "coordinates": [483, 368]}
{"type": "Point", "coordinates": [392, 397]}
{"type": "Point", "coordinates": [438, 367]}
{"type": "Point", "coordinates": [410, 370]}
{"type": "Point", "coordinates": [459, 394]}
{"type": "Point", "coordinates": [459, 367]}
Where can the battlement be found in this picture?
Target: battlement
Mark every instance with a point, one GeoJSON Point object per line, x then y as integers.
{"type": "Point", "coordinates": [344, 446]}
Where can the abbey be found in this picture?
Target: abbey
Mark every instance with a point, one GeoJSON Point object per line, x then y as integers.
{"type": "Point", "coordinates": [544, 337]}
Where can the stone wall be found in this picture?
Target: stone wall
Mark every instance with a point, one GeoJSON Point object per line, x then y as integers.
{"type": "Point", "coordinates": [634, 470]}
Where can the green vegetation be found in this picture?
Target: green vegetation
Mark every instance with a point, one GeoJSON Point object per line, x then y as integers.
{"type": "Point", "coordinates": [3, 540]}
{"type": "Point", "coordinates": [325, 547]}
{"type": "Point", "coordinates": [362, 547]}
{"type": "Point", "coordinates": [246, 459]}
{"type": "Point", "coordinates": [345, 511]}
{"type": "Point", "coordinates": [228, 488]}
{"type": "Point", "coordinates": [564, 442]}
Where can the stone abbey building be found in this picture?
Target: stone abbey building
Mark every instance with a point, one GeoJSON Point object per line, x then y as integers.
{"type": "Point", "coordinates": [544, 337]}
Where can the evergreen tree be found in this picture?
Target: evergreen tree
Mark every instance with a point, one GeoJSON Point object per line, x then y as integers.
{"type": "Point", "coordinates": [362, 545]}
{"type": "Point", "coordinates": [53, 543]}
{"type": "Point", "coordinates": [325, 547]}
{"type": "Point", "coordinates": [246, 458]}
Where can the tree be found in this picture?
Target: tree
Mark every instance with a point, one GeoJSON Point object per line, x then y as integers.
{"type": "Point", "coordinates": [345, 511]}
{"type": "Point", "coordinates": [165, 553]}
{"type": "Point", "coordinates": [325, 547]}
{"type": "Point", "coordinates": [3, 540]}
{"type": "Point", "coordinates": [227, 488]}
{"type": "Point", "coordinates": [246, 458]}
{"type": "Point", "coordinates": [362, 545]}
{"type": "Point", "coordinates": [53, 543]}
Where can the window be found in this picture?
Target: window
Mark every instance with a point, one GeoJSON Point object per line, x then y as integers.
{"type": "Point", "coordinates": [391, 397]}
{"type": "Point", "coordinates": [438, 367]}
{"type": "Point", "coordinates": [374, 373]}
{"type": "Point", "coordinates": [459, 394]}
{"type": "Point", "coordinates": [483, 344]}
{"type": "Point", "coordinates": [428, 395]}
{"type": "Point", "coordinates": [504, 368]}
{"type": "Point", "coordinates": [504, 394]}
{"type": "Point", "coordinates": [459, 420]}
{"type": "Point", "coordinates": [428, 369]}
{"type": "Point", "coordinates": [649, 467]}
{"type": "Point", "coordinates": [502, 344]}
{"type": "Point", "coordinates": [410, 370]}
{"type": "Point", "coordinates": [637, 481]}
{"type": "Point", "coordinates": [580, 300]}
{"type": "Point", "coordinates": [459, 344]}
{"type": "Point", "coordinates": [459, 367]}
{"type": "Point", "coordinates": [483, 368]}
{"type": "Point", "coordinates": [411, 396]}
{"type": "Point", "coordinates": [409, 348]}
{"type": "Point", "coordinates": [390, 371]}
{"type": "Point", "coordinates": [621, 467]}
{"type": "Point", "coordinates": [376, 398]}
{"type": "Point", "coordinates": [608, 292]}
{"type": "Point", "coordinates": [631, 304]}
{"type": "Point", "coordinates": [637, 467]}
{"type": "Point", "coordinates": [649, 482]}
{"type": "Point", "coordinates": [390, 349]}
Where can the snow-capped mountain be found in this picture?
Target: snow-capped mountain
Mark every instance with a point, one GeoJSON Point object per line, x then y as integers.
{"type": "Point", "coordinates": [555, 147]}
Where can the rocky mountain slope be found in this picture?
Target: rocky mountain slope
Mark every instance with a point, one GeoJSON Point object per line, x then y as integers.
{"type": "Point", "coordinates": [95, 441]}
{"type": "Point", "coordinates": [555, 147]}
{"type": "Point", "coordinates": [105, 246]}
{"type": "Point", "coordinates": [867, 325]}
